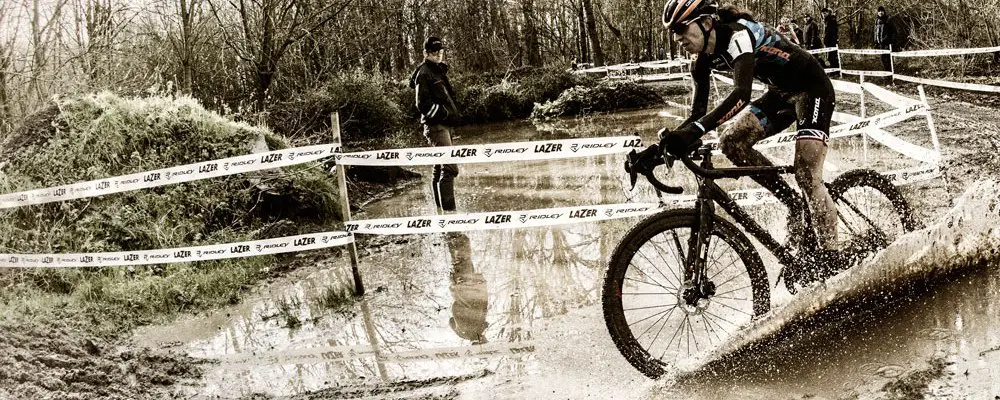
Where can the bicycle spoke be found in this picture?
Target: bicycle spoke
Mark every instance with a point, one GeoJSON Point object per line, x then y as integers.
{"type": "Point", "coordinates": [648, 307]}
{"type": "Point", "coordinates": [735, 260]}
{"type": "Point", "coordinates": [734, 308]}
{"type": "Point", "coordinates": [727, 281]}
{"type": "Point", "coordinates": [674, 336]}
{"type": "Point", "coordinates": [710, 331]}
{"type": "Point", "coordinates": [697, 347]}
{"type": "Point", "coordinates": [723, 320]}
{"type": "Point", "coordinates": [639, 251]}
{"type": "Point", "coordinates": [640, 293]}
{"type": "Point", "coordinates": [664, 325]}
{"type": "Point", "coordinates": [650, 278]}
{"type": "Point", "coordinates": [665, 262]}
{"type": "Point", "coordinates": [715, 324]}
{"type": "Point", "coordinates": [662, 316]}
{"type": "Point", "coordinates": [725, 293]}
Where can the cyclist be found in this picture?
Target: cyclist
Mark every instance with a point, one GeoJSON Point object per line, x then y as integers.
{"type": "Point", "coordinates": [798, 90]}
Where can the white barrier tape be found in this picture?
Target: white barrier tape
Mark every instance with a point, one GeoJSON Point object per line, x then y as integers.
{"type": "Point", "coordinates": [865, 73]}
{"type": "Point", "coordinates": [846, 87]}
{"type": "Point", "coordinates": [499, 152]}
{"type": "Point", "coordinates": [890, 98]}
{"type": "Point", "coordinates": [665, 64]}
{"type": "Point", "coordinates": [823, 50]}
{"type": "Point", "coordinates": [946, 52]}
{"type": "Point", "coordinates": [908, 149]}
{"type": "Point", "coordinates": [878, 121]}
{"type": "Point", "coordinates": [952, 85]}
{"type": "Point", "coordinates": [864, 51]}
{"type": "Point", "coordinates": [915, 174]}
{"type": "Point", "coordinates": [660, 77]}
{"type": "Point", "coordinates": [498, 220]}
{"type": "Point", "coordinates": [623, 67]}
{"type": "Point", "coordinates": [169, 176]}
{"type": "Point", "coordinates": [341, 353]}
{"type": "Point", "coordinates": [905, 148]}
{"type": "Point", "coordinates": [287, 244]}
{"type": "Point", "coordinates": [831, 70]}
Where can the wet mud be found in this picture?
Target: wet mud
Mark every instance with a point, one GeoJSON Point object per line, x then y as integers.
{"type": "Point", "coordinates": [516, 314]}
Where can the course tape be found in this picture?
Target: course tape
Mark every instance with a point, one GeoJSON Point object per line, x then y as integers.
{"type": "Point", "coordinates": [890, 98]}
{"type": "Point", "coordinates": [498, 220]}
{"type": "Point", "coordinates": [846, 87]}
{"type": "Point", "coordinates": [169, 176]}
{"type": "Point", "coordinates": [823, 50]}
{"type": "Point", "coordinates": [864, 51]}
{"type": "Point", "coordinates": [500, 152]}
{"type": "Point", "coordinates": [831, 70]}
{"type": "Point", "coordinates": [728, 80]}
{"type": "Point", "coordinates": [340, 353]}
{"type": "Point", "coordinates": [876, 122]}
{"type": "Point", "coordinates": [660, 77]}
{"type": "Point", "coordinates": [915, 174]}
{"type": "Point", "coordinates": [946, 52]}
{"type": "Point", "coordinates": [286, 244]}
{"type": "Point", "coordinates": [908, 149]}
{"type": "Point", "coordinates": [952, 85]}
{"type": "Point", "coordinates": [865, 73]}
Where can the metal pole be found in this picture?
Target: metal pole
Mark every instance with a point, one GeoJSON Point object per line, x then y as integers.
{"type": "Point", "coordinates": [345, 206]}
{"type": "Point", "coordinates": [864, 135]}
{"type": "Point", "coordinates": [840, 63]}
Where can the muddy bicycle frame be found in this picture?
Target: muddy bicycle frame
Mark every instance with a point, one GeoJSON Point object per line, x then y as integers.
{"type": "Point", "coordinates": [710, 194]}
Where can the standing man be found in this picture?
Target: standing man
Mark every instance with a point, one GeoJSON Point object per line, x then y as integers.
{"type": "Point", "coordinates": [811, 34]}
{"type": "Point", "coordinates": [830, 35]}
{"type": "Point", "coordinates": [883, 36]}
{"type": "Point", "coordinates": [436, 103]}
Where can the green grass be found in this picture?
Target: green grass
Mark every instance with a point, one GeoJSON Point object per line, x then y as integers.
{"type": "Point", "coordinates": [103, 135]}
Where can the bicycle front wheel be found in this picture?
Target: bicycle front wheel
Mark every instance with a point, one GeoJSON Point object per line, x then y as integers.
{"type": "Point", "coordinates": [645, 309]}
{"type": "Point", "coordinates": [871, 213]}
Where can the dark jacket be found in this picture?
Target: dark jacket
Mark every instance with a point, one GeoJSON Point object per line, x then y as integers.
{"type": "Point", "coordinates": [883, 31]}
{"type": "Point", "coordinates": [831, 32]}
{"type": "Point", "coordinates": [810, 38]}
{"type": "Point", "coordinates": [435, 96]}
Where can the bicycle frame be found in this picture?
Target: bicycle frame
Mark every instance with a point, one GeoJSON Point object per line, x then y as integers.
{"type": "Point", "coordinates": [710, 194]}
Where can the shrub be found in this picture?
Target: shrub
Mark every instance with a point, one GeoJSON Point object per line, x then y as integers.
{"type": "Point", "coordinates": [366, 111]}
{"type": "Point", "coordinates": [98, 136]}
{"type": "Point", "coordinates": [606, 96]}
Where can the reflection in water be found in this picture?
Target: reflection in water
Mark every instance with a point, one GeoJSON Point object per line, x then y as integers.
{"type": "Point", "coordinates": [468, 288]}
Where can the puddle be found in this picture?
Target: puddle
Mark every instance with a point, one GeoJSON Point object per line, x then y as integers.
{"type": "Point", "coordinates": [508, 314]}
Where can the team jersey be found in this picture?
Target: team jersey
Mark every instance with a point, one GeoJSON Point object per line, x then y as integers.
{"type": "Point", "coordinates": [751, 50]}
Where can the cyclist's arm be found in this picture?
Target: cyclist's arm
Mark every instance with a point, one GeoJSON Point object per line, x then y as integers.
{"type": "Point", "coordinates": [743, 64]}
{"type": "Point", "coordinates": [700, 74]}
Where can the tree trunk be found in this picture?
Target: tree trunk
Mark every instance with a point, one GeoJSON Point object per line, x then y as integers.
{"type": "Point", "coordinates": [531, 45]}
{"type": "Point", "coordinates": [4, 101]}
{"type": "Point", "coordinates": [595, 40]}
{"type": "Point", "coordinates": [623, 47]}
{"type": "Point", "coordinates": [582, 36]}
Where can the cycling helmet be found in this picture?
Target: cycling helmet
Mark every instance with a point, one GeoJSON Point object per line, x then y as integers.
{"type": "Point", "coordinates": [679, 13]}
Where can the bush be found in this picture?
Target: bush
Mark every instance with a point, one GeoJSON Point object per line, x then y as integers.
{"type": "Point", "coordinates": [605, 97]}
{"type": "Point", "coordinates": [366, 111]}
{"type": "Point", "coordinates": [99, 136]}
{"type": "Point", "coordinates": [501, 97]}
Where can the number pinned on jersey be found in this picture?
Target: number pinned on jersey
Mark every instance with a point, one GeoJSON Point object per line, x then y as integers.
{"type": "Point", "coordinates": [740, 44]}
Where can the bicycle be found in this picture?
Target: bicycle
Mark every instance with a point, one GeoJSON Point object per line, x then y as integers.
{"type": "Point", "coordinates": [712, 296]}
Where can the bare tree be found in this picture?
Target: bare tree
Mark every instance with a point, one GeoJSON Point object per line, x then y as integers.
{"type": "Point", "coordinates": [261, 31]}
{"type": "Point", "coordinates": [595, 39]}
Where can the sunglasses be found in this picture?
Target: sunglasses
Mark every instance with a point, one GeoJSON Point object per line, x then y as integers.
{"type": "Point", "coordinates": [679, 27]}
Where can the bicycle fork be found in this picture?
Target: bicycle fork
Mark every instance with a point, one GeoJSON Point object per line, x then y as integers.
{"type": "Point", "coordinates": [697, 284]}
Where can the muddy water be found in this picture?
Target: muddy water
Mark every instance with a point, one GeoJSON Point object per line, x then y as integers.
{"type": "Point", "coordinates": [511, 314]}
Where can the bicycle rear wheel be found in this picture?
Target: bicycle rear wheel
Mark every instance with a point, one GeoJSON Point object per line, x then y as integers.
{"type": "Point", "coordinates": [644, 309]}
{"type": "Point", "coordinates": [871, 212]}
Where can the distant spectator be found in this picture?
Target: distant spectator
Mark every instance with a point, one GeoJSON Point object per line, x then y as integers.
{"type": "Point", "coordinates": [883, 36]}
{"type": "Point", "coordinates": [810, 36]}
{"type": "Point", "coordinates": [830, 35]}
{"type": "Point", "coordinates": [786, 29]}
